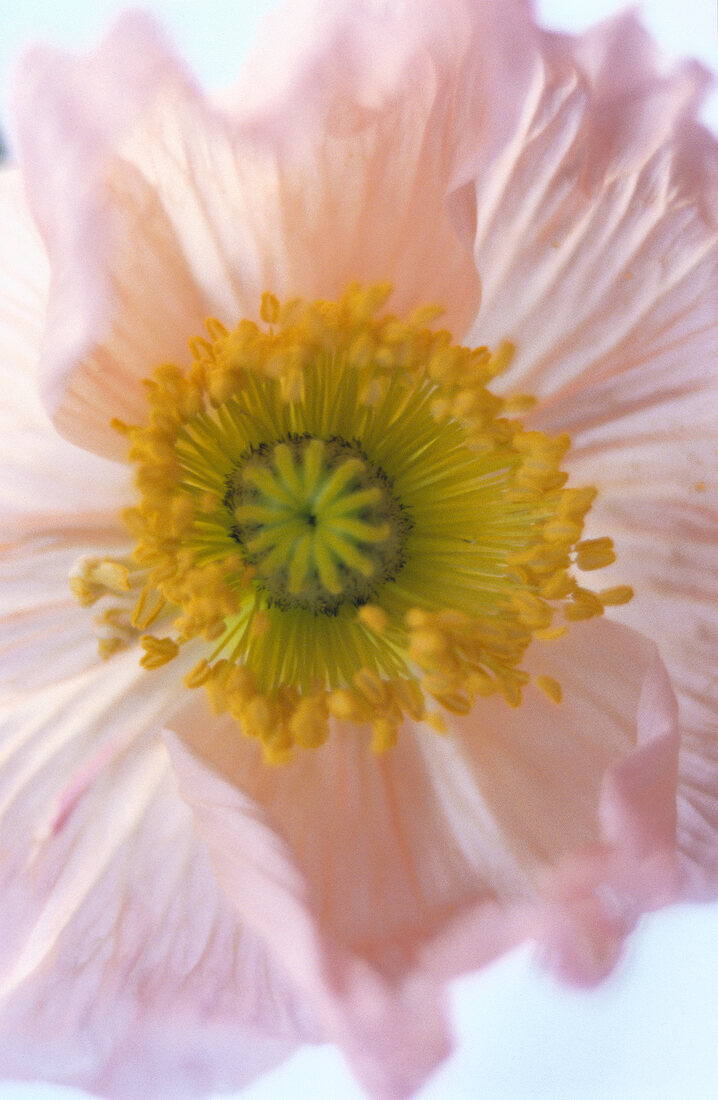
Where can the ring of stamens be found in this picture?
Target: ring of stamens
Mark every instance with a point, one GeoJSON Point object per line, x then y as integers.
{"type": "Point", "coordinates": [337, 518]}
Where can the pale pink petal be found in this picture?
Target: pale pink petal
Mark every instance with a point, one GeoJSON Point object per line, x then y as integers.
{"type": "Point", "coordinates": [647, 441]}
{"type": "Point", "coordinates": [121, 298]}
{"type": "Point", "coordinates": [597, 897]}
{"type": "Point", "coordinates": [597, 245]}
{"type": "Point", "coordinates": [592, 898]}
{"type": "Point", "coordinates": [392, 1033]}
{"type": "Point", "coordinates": [447, 851]}
{"type": "Point", "coordinates": [667, 549]}
{"type": "Point", "coordinates": [47, 486]}
{"type": "Point", "coordinates": [45, 635]}
{"type": "Point", "coordinates": [122, 967]}
{"type": "Point", "coordinates": [590, 271]}
{"type": "Point", "coordinates": [322, 68]}
{"type": "Point", "coordinates": [158, 210]}
{"type": "Point", "coordinates": [57, 502]}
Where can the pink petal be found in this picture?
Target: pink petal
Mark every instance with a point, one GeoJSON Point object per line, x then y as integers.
{"type": "Point", "coordinates": [121, 299]}
{"type": "Point", "coordinates": [45, 635]}
{"type": "Point", "coordinates": [123, 968]}
{"type": "Point", "coordinates": [56, 501]}
{"type": "Point", "coordinates": [594, 242]}
{"type": "Point", "coordinates": [157, 210]}
{"type": "Point", "coordinates": [597, 245]}
{"type": "Point", "coordinates": [447, 851]}
{"type": "Point", "coordinates": [47, 487]}
{"type": "Point", "coordinates": [392, 1034]}
{"type": "Point", "coordinates": [322, 68]}
{"type": "Point", "coordinates": [591, 899]}
{"type": "Point", "coordinates": [667, 549]}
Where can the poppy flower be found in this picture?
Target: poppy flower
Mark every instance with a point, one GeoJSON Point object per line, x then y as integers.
{"type": "Point", "coordinates": [332, 399]}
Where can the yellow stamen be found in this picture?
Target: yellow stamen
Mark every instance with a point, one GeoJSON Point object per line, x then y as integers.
{"type": "Point", "coordinates": [594, 553]}
{"type": "Point", "coordinates": [350, 522]}
{"type": "Point", "coordinates": [614, 597]}
{"type": "Point", "coordinates": [374, 617]}
{"type": "Point", "coordinates": [158, 651]}
{"type": "Point", "coordinates": [93, 578]}
{"type": "Point", "coordinates": [550, 687]}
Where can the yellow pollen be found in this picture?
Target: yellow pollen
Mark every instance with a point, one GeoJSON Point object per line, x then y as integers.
{"type": "Point", "coordinates": [550, 687]}
{"type": "Point", "coordinates": [338, 521]}
{"type": "Point", "coordinates": [95, 577]}
{"type": "Point", "coordinates": [594, 553]}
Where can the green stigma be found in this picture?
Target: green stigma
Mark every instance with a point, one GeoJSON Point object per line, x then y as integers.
{"type": "Point", "coordinates": [318, 521]}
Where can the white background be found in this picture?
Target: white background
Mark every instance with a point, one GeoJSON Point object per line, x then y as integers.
{"type": "Point", "coordinates": [651, 1032]}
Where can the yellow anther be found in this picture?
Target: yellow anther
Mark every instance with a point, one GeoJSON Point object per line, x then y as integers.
{"type": "Point", "coordinates": [371, 686]}
{"type": "Point", "coordinates": [344, 705]}
{"type": "Point", "coordinates": [532, 610]}
{"type": "Point", "coordinates": [511, 691]}
{"type": "Point", "coordinates": [107, 647]}
{"type": "Point", "coordinates": [519, 403]}
{"type": "Point", "coordinates": [92, 578]}
{"type": "Point", "coordinates": [550, 687]}
{"type": "Point", "coordinates": [199, 675]}
{"type": "Point", "coordinates": [257, 718]}
{"type": "Point", "coordinates": [384, 734]}
{"type": "Point", "coordinates": [562, 530]}
{"type": "Point", "coordinates": [594, 553]}
{"type": "Point", "coordinates": [269, 311]}
{"type": "Point", "coordinates": [551, 634]}
{"type": "Point", "coordinates": [428, 645]}
{"type": "Point", "coordinates": [416, 618]}
{"type": "Point", "coordinates": [309, 723]}
{"type": "Point", "coordinates": [575, 503]}
{"type": "Point", "coordinates": [215, 328]}
{"type": "Point", "coordinates": [585, 605]}
{"type": "Point", "coordinates": [614, 597]}
{"type": "Point", "coordinates": [457, 703]}
{"type": "Point", "coordinates": [158, 651]}
{"type": "Point", "coordinates": [112, 575]}
{"type": "Point", "coordinates": [149, 606]}
{"type": "Point", "coordinates": [479, 683]}
{"type": "Point", "coordinates": [409, 698]}
{"type": "Point", "coordinates": [437, 722]}
{"type": "Point", "coordinates": [557, 585]}
{"type": "Point", "coordinates": [375, 618]}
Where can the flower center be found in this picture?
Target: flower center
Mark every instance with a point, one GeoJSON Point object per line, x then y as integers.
{"type": "Point", "coordinates": [318, 521]}
{"type": "Point", "coordinates": [338, 519]}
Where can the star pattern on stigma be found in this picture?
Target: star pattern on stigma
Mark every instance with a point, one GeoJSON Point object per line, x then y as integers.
{"type": "Point", "coordinates": [338, 518]}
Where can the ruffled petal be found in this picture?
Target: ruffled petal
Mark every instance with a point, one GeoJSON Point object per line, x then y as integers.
{"type": "Point", "coordinates": [447, 851]}
{"type": "Point", "coordinates": [120, 299]}
{"type": "Point", "coordinates": [47, 485]}
{"type": "Point", "coordinates": [667, 550]}
{"type": "Point", "coordinates": [591, 899]}
{"type": "Point", "coordinates": [596, 236]}
{"type": "Point", "coordinates": [122, 968]}
{"type": "Point", "coordinates": [158, 210]}
{"type": "Point", "coordinates": [393, 1034]}
{"type": "Point", "coordinates": [57, 502]}
{"type": "Point", "coordinates": [597, 245]}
